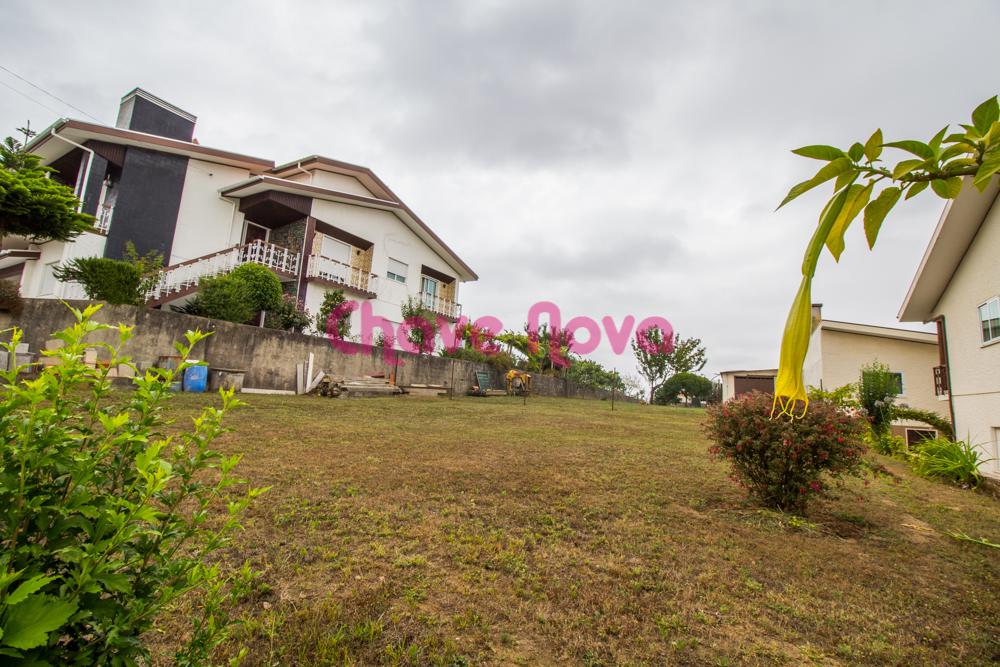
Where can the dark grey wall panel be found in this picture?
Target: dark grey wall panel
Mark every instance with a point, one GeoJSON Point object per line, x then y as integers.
{"type": "Point", "coordinates": [149, 197]}
{"type": "Point", "coordinates": [154, 119]}
{"type": "Point", "coordinates": [95, 182]}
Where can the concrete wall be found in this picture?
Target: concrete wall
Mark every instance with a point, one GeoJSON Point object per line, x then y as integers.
{"type": "Point", "coordinates": [268, 356]}
{"type": "Point", "coordinates": [975, 381]}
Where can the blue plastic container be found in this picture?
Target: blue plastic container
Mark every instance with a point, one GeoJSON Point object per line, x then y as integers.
{"type": "Point", "coordinates": [196, 378]}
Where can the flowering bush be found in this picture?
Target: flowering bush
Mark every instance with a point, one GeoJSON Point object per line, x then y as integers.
{"type": "Point", "coordinates": [785, 462]}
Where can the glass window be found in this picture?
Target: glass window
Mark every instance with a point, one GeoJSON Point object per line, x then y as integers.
{"type": "Point", "coordinates": [989, 317]}
{"type": "Point", "coordinates": [396, 271]}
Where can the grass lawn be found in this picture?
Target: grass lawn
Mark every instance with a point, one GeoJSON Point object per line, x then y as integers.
{"type": "Point", "coordinates": [483, 531]}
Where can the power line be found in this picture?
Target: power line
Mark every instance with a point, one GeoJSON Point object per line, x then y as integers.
{"type": "Point", "coordinates": [31, 99]}
{"type": "Point", "coordinates": [55, 97]}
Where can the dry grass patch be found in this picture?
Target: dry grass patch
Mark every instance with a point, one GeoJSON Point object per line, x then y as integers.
{"type": "Point", "coordinates": [481, 531]}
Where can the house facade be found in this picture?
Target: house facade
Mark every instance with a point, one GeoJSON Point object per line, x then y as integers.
{"type": "Point", "coordinates": [957, 286]}
{"type": "Point", "coordinates": [318, 223]}
{"type": "Point", "coordinates": [839, 350]}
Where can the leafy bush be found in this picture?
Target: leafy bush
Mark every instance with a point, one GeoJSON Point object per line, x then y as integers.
{"type": "Point", "coordinates": [943, 458]}
{"type": "Point", "coordinates": [104, 519]}
{"type": "Point", "coordinates": [263, 289]}
{"type": "Point", "coordinates": [422, 323]}
{"type": "Point", "coordinates": [220, 298]}
{"type": "Point", "coordinates": [120, 281]}
{"type": "Point", "coordinates": [592, 374]}
{"type": "Point", "coordinates": [334, 304]}
{"type": "Point", "coordinates": [876, 393]}
{"type": "Point", "coordinates": [11, 300]}
{"type": "Point", "coordinates": [940, 424]}
{"type": "Point", "coordinates": [886, 443]}
{"type": "Point", "coordinates": [499, 360]}
{"type": "Point", "coordinates": [845, 396]}
{"type": "Point", "coordinates": [785, 462]}
{"type": "Point", "coordinates": [687, 386]}
{"type": "Point", "coordinates": [291, 315]}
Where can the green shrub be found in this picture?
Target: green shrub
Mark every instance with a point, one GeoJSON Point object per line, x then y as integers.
{"type": "Point", "coordinates": [119, 281]}
{"type": "Point", "coordinates": [845, 396]}
{"type": "Point", "coordinates": [220, 298]}
{"type": "Point", "coordinates": [785, 462]}
{"type": "Point", "coordinates": [333, 303]}
{"type": "Point", "coordinates": [886, 443]}
{"type": "Point", "coordinates": [943, 458]}
{"type": "Point", "coordinates": [263, 289]}
{"type": "Point", "coordinates": [422, 323]}
{"type": "Point", "coordinates": [876, 392]}
{"type": "Point", "coordinates": [940, 424]}
{"type": "Point", "coordinates": [104, 519]}
{"type": "Point", "coordinates": [11, 300]}
{"type": "Point", "coordinates": [291, 315]}
{"type": "Point", "coordinates": [683, 386]}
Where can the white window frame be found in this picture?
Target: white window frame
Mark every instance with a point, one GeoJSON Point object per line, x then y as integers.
{"type": "Point", "coordinates": [248, 225]}
{"type": "Point", "coordinates": [395, 276]}
{"type": "Point", "coordinates": [979, 313]}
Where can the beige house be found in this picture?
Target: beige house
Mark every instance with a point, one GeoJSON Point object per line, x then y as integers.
{"type": "Point", "coordinates": [839, 350]}
{"type": "Point", "coordinates": [958, 286]}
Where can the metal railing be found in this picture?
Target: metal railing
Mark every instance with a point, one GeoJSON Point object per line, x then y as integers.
{"type": "Point", "coordinates": [440, 305]}
{"type": "Point", "coordinates": [338, 272]}
{"type": "Point", "coordinates": [940, 380]}
{"type": "Point", "coordinates": [183, 276]}
{"type": "Point", "coordinates": [103, 221]}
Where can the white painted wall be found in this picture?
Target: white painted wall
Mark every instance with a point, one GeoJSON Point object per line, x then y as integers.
{"type": "Point", "coordinates": [88, 244]}
{"type": "Point", "coordinates": [328, 179]}
{"type": "Point", "coordinates": [975, 367]}
{"type": "Point", "coordinates": [392, 238]}
{"type": "Point", "coordinates": [206, 222]}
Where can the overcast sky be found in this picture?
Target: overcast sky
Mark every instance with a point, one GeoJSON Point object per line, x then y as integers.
{"type": "Point", "coordinates": [613, 157]}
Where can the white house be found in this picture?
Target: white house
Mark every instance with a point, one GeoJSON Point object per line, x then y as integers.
{"type": "Point", "coordinates": [319, 224]}
{"type": "Point", "coordinates": [958, 286]}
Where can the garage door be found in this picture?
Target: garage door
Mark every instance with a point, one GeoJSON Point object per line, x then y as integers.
{"type": "Point", "coordinates": [744, 384]}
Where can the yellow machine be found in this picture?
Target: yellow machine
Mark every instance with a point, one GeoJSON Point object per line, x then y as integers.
{"type": "Point", "coordinates": [518, 383]}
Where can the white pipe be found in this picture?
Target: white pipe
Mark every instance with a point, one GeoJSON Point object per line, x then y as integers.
{"type": "Point", "coordinates": [86, 175]}
{"type": "Point", "coordinates": [298, 165]}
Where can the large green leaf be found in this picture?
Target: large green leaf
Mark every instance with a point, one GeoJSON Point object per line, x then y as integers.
{"type": "Point", "coordinates": [876, 211]}
{"type": "Point", "coordinates": [27, 588]}
{"type": "Point", "coordinates": [990, 166]}
{"type": "Point", "coordinates": [856, 151]}
{"type": "Point", "coordinates": [905, 167]}
{"type": "Point", "coordinates": [947, 188]}
{"type": "Point", "coordinates": [873, 147]}
{"type": "Point", "coordinates": [985, 115]}
{"type": "Point", "coordinates": [826, 219]}
{"type": "Point", "coordinates": [820, 152]}
{"type": "Point", "coordinates": [918, 148]}
{"type": "Point", "coordinates": [935, 143]}
{"type": "Point", "coordinates": [857, 198]}
{"type": "Point", "coordinates": [30, 622]}
{"type": "Point", "coordinates": [828, 171]}
{"type": "Point", "coordinates": [916, 189]}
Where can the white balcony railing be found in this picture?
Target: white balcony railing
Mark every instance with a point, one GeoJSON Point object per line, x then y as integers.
{"type": "Point", "coordinates": [183, 276]}
{"type": "Point", "coordinates": [103, 221]}
{"type": "Point", "coordinates": [338, 272]}
{"type": "Point", "coordinates": [440, 305]}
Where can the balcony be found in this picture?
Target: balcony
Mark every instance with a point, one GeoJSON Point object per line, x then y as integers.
{"type": "Point", "coordinates": [941, 381]}
{"type": "Point", "coordinates": [103, 221]}
{"type": "Point", "coordinates": [181, 279]}
{"type": "Point", "coordinates": [343, 275]}
{"type": "Point", "coordinates": [444, 307]}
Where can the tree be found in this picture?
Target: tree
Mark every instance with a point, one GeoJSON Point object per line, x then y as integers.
{"type": "Point", "coordinates": [334, 304]}
{"type": "Point", "coordinates": [238, 296]}
{"type": "Point", "coordinates": [31, 203]}
{"type": "Point", "coordinates": [688, 355]}
{"type": "Point", "coordinates": [119, 281]}
{"type": "Point", "coordinates": [857, 173]}
{"type": "Point", "coordinates": [263, 289]}
{"type": "Point", "coordinates": [651, 352]}
{"type": "Point", "coordinates": [592, 374]}
{"type": "Point", "coordinates": [422, 323]}
{"type": "Point", "coordinates": [687, 386]}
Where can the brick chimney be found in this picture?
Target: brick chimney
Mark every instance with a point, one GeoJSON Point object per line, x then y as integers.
{"type": "Point", "coordinates": [144, 112]}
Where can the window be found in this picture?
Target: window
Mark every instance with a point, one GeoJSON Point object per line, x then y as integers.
{"type": "Point", "coordinates": [336, 250]}
{"type": "Point", "coordinates": [396, 271]}
{"type": "Point", "coordinates": [49, 281]}
{"type": "Point", "coordinates": [989, 317]}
